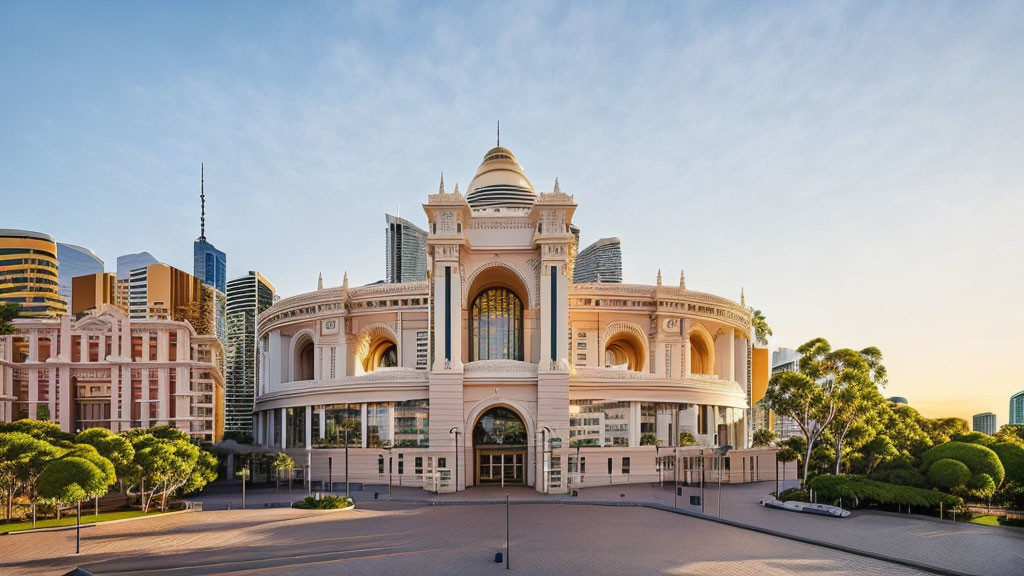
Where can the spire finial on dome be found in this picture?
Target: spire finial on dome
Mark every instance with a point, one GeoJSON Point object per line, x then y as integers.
{"type": "Point", "coordinates": [557, 187]}
{"type": "Point", "coordinates": [320, 282]}
{"type": "Point", "coordinates": [743, 299]}
{"type": "Point", "coordinates": [440, 189]}
{"type": "Point", "coordinates": [344, 281]}
{"type": "Point", "coordinates": [456, 188]}
{"type": "Point", "coordinates": [499, 133]}
{"type": "Point", "coordinates": [682, 279]}
{"type": "Point", "coordinates": [659, 276]}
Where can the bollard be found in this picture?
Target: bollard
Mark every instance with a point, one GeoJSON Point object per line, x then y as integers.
{"type": "Point", "coordinates": [498, 558]}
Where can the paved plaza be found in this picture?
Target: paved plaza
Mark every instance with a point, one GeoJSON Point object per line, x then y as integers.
{"type": "Point", "coordinates": [395, 538]}
{"type": "Point", "coordinates": [409, 534]}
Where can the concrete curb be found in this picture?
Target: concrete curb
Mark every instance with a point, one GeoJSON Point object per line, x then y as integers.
{"type": "Point", "coordinates": [92, 524]}
{"type": "Point", "coordinates": [665, 508]}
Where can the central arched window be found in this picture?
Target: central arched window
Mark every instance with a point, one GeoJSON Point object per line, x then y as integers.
{"type": "Point", "coordinates": [497, 325]}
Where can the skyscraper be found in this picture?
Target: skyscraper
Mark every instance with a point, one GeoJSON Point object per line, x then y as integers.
{"type": "Point", "coordinates": [1017, 408]}
{"type": "Point", "coordinates": [985, 423]}
{"type": "Point", "coordinates": [29, 273]}
{"type": "Point", "coordinates": [74, 261]}
{"type": "Point", "coordinates": [125, 265]}
{"type": "Point", "coordinates": [247, 296]}
{"type": "Point", "coordinates": [208, 264]}
{"type": "Point", "coordinates": [599, 262]}
{"type": "Point", "coordinates": [406, 251]}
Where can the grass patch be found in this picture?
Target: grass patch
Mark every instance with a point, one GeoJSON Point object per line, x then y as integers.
{"type": "Point", "coordinates": [987, 520]}
{"type": "Point", "coordinates": [70, 520]}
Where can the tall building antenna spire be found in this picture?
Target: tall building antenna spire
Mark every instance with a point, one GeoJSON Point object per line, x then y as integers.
{"type": "Point", "coordinates": [202, 203]}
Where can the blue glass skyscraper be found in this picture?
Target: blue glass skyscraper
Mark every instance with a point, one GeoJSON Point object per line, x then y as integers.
{"type": "Point", "coordinates": [208, 264]}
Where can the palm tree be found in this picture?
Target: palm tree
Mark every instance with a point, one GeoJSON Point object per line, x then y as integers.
{"type": "Point", "coordinates": [761, 328]}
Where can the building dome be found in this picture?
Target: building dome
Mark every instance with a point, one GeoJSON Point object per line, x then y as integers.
{"type": "Point", "coordinates": [500, 182]}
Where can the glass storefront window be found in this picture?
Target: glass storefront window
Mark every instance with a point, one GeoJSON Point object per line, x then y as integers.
{"type": "Point", "coordinates": [338, 417]}
{"type": "Point", "coordinates": [378, 424]}
{"type": "Point", "coordinates": [296, 436]}
{"type": "Point", "coordinates": [596, 423]}
{"type": "Point", "coordinates": [412, 423]}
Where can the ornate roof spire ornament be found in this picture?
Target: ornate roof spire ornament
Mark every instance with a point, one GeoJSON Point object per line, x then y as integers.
{"type": "Point", "coordinates": [320, 282]}
{"type": "Point", "coordinates": [743, 299]}
{"type": "Point", "coordinates": [456, 188]}
{"type": "Point", "coordinates": [558, 188]}
{"type": "Point", "coordinates": [344, 281]}
{"type": "Point", "coordinates": [440, 189]}
{"type": "Point", "coordinates": [499, 133]}
{"type": "Point", "coordinates": [659, 276]}
{"type": "Point", "coordinates": [202, 203]}
{"type": "Point", "coordinates": [682, 279]}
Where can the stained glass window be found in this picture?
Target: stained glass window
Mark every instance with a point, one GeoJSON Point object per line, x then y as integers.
{"type": "Point", "coordinates": [497, 324]}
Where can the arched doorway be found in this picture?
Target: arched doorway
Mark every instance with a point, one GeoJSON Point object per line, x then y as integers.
{"type": "Point", "coordinates": [499, 447]}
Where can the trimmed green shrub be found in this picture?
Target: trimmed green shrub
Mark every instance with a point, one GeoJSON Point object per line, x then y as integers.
{"type": "Point", "coordinates": [1012, 457]}
{"type": "Point", "coordinates": [900, 476]}
{"type": "Point", "coordinates": [798, 494]}
{"type": "Point", "coordinates": [859, 490]}
{"type": "Point", "coordinates": [979, 459]}
{"type": "Point", "coordinates": [324, 503]}
{"type": "Point", "coordinates": [948, 473]}
{"type": "Point", "coordinates": [974, 438]}
{"type": "Point", "coordinates": [982, 484]}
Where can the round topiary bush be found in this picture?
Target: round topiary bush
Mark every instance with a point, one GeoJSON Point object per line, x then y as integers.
{"type": "Point", "coordinates": [948, 473]}
{"type": "Point", "coordinates": [1012, 457]}
{"type": "Point", "coordinates": [982, 483]}
{"type": "Point", "coordinates": [978, 459]}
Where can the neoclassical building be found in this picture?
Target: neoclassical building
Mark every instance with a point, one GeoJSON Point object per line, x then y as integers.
{"type": "Point", "coordinates": [499, 369]}
{"type": "Point", "coordinates": [104, 369]}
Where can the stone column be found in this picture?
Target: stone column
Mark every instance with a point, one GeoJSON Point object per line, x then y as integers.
{"type": "Point", "coordinates": [284, 428]}
{"type": "Point", "coordinates": [322, 411]}
{"type": "Point", "coordinates": [309, 427]}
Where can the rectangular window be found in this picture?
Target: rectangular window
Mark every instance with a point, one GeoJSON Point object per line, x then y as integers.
{"type": "Point", "coordinates": [581, 345]}
{"type": "Point", "coordinates": [625, 464]}
{"type": "Point", "coordinates": [418, 465]}
{"type": "Point", "coordinates": [380, 464]}
{"type": "Point", "coordinates": [412, 423]}
{"type": "Point", "coordinates": [583, 465]}
{"type": "Point", "coordinates": [581, 358]}
{"type": "Point", "coordinates": [609, 466]}
{"type": "Point", "coordinates": [442, 462]}
{"type": "Point", "coordinates": [378, 425]}
{"type": "Point", "coordinates": [401, 464]}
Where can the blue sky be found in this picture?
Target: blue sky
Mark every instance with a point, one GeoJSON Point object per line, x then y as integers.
{"type": "Point", "coordinates": [854, 166]}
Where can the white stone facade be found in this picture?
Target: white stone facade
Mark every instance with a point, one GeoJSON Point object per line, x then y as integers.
{"type": "Point", "coordinates": [107, 370]}
{"type": "Point", "coordinates": [542, 381]}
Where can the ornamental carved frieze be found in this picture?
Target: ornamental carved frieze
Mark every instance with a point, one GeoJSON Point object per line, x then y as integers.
{"type": "Point", "coordinates": [91, 374]}
{"type": "Point", "coordinates": [500, 224]}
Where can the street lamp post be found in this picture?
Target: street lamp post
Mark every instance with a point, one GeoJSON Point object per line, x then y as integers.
{"type": "Point", "coordinates": [346, 464]}
{"type": "Point", "coordinates": [455, 430]}
{"type": "Point", "coordinates": [675, 477]}
{"type": "Point", "coordinates": [702, 481]}
{"type": "Point", "coordinates": [330, 474]}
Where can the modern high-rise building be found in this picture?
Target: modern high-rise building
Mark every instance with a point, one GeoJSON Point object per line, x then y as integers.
{"type": "Point", "coordinates": [599, 262]}
{"type": "Point", "coordinates": [406, 251]}
{"type": "Point", "coordinates": [985, 423]}
{"type": "Point", "coordinates": [785, 360]}
{"type": "Point", "coordinates": [162, 292]}
{"type": "Point", "coordinates": [125, 265]}
{"type": "Point", "coordinates": [74, 261]}
{"type": "Point", "coordinates": [92, 291]}
{"type": "Point", "coordinates": [208, 264]}
{"type": "Point", "coordinates": [1017, 408]}
{"type": "Point", "coordinates": [247, 296]}
{"type": "Point", "coordinates": [29, 273]}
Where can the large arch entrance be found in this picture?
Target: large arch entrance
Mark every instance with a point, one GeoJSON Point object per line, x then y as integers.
{"type": "Point", "coordinates": [500, 447]}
